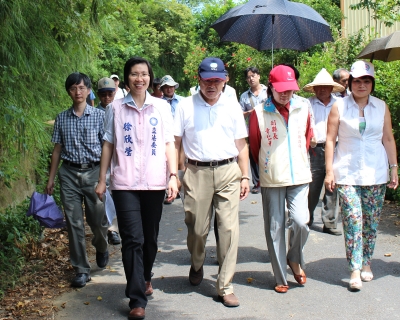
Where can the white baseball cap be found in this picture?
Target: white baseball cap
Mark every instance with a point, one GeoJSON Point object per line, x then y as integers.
{"type": "Point", "coordinates": [361, 69]}
{"type": "Point", "coordinates": [114, 76]}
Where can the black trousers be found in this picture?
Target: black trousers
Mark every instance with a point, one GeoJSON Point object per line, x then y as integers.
{"type": "Point", "coordinates": [139, 215]}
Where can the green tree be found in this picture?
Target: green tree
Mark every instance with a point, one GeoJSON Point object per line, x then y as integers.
{"type": "Point", "coordinates": [40, 43]}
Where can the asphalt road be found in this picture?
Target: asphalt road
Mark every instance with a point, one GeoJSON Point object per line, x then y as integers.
{"type": "Point", "coordinates": [325, 295]}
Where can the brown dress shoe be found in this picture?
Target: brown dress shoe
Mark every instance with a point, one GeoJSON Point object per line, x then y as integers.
{"type": "Point", "coordinates": [195, 277]}
{"type": "Point", "coordinates": [149, 289]}
{"type": "Point", "coordinates": [281, 288]}
{"type": "Point", "coordinates": [136, 313]}
{"type": "Point", "coordinates": [300, 278]}
{"type": "Point", "coordinates": [230, 300]}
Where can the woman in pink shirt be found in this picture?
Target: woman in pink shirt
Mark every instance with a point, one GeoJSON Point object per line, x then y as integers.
{"type": "Point", "coordinates": [139, 147]}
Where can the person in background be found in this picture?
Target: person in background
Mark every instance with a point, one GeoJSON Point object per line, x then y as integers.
{"type": "Point", "coordinates": [228, 90]}
{"type": "Point", "coordinates": [284, 171]}
{"type": "Point", "coordinates": [323, 86]}
{"type": "Point", "coordinates": [119, 93]}
{"type": "Point", "coordinates": [106, 92]}
{"type": "Point", "coordinates": [213, 178]}
{"type": "Point", "coordinates": [156, 88]}
{"type": "Point", "coordinates": [138, 176]}
{"type": "Point", "coordinates": [168, 87]}
{"type": "Point", "coordinates": [78, 175]}
{"type": "Point", "coordinates": [90, 98]}
{"type": "Point", "coordinates": [364, 161]}
{"type": "Point", "coordinates": [341, 76]}
{"type": "Point", "coordinates": [256, 94]}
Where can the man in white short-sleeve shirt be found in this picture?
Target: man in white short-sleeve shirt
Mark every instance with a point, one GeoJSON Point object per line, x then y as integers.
{"type": "Point", "coordinates": [323, 86]}
{"type": "Point", "coordinates": [212, 129]}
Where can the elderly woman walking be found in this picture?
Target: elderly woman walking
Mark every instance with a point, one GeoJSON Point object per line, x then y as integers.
{"type": "Point", "coordinates": [359, 167]}
{"type": "Point", "coordinates": [279, 135]}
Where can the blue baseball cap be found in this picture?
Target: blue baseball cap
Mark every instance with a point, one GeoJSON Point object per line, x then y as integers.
{"type": "Point", "coordinates": [212, 68]}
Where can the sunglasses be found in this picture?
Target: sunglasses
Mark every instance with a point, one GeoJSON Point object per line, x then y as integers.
{"type": "Point", "coordinates": [106, 94]}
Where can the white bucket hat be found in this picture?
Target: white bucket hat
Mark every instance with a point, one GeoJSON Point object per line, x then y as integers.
{"type": "Point", "coordinates": [362, 68]}
{"type": "Point", "coordinates": [169, 81]}
{"type": "Point", "coordinates": [323, 78]}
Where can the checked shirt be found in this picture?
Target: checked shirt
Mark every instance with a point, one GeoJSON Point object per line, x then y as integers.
{"type": "Point", "coordinates": [80, 137]}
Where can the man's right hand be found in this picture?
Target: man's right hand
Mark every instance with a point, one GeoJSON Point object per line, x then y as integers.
{"type": "Point", "coordinates": [49, 188]}
{"type": "Point", "coordinates": [100, 190]}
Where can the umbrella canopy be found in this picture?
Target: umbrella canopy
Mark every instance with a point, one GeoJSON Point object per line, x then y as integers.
{"type": "Point", "coordinates": [385, 48]}
{"type": "Point", "coordinates": [44, 209]}
{"type": "Point", "coordinates": [269, 24]}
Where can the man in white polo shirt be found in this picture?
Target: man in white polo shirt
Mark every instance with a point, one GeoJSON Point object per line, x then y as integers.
{"type": "Point", "coordinates": [323, 86]}
{"type": "Point", "coordinates": [211, 127]}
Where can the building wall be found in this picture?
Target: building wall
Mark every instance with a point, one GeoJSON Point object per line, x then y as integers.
{"type": "Point", "coordinates": [358, 19]}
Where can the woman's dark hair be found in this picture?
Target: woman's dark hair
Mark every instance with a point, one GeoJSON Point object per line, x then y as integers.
{"type": "Point", "coordinates": [269, 90]}
{"type": "Point", "coordinates": [76, 78]}
{"type": "Point", "coordinates": [351, 78]}
{"type": "Point", "coordinates": [133, 61]}
{"type": "Point", "coordinates": [252, 69]}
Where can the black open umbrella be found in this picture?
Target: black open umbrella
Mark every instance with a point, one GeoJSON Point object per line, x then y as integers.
{"type": "Point", "coordinates": [269, 24]}
{"type": "Point", "coordinates": [385, 48]}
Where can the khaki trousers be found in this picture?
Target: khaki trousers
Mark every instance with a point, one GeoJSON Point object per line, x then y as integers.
{"type": "Point", "coordinates": [218, 187]}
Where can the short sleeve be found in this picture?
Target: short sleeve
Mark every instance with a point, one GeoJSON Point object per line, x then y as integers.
{"type": "Point", "coordinates": [168, 122]}
{"type": "Point", "coordinates": [92, 96]}
{"type": "Point", "coordinates": [178, 119]}
{"type": "Point", "coordinates": [56, 138]}
{"type": "Point", "coordinates": [109, 124]}
{"type": "Point", "coordinates": [240, 124]}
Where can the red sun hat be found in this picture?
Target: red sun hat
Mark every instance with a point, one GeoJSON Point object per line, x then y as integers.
{"type": "Point", "coordinates": [282, 79]}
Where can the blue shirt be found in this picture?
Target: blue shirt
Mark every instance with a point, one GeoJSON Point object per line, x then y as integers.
{"type": "Point", "coordinates": [80, 137]}
{"type": "Point", "coordinates": [173, 102]}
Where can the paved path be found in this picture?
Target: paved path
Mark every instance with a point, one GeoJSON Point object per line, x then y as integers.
{"type": "Point", "coordinates": [325, 296]}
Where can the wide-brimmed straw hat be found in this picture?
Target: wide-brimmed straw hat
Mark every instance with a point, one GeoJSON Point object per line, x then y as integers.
{"type": "Point", "coordinates": [323, 78]}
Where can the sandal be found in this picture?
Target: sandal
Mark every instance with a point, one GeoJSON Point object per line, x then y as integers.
{"type": "Point", "coordinates": [366, 276]}
{"type": "Point", "coordinates": [300, 278]}
{"type": "Point", "coordinates": [355, 284]}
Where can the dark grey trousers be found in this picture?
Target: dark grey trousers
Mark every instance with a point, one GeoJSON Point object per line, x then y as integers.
{"type": "Point", "coordinates": [329, 210]}
{"type": "Point", "coordinates": [77, 187]}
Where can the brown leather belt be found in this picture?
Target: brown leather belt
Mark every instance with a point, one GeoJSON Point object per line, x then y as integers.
{"type": "Point", "coordinates": [210, 163]}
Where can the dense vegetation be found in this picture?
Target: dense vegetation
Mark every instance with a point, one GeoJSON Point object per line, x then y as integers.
{"type": "Point", "coordinates": [42, 42]}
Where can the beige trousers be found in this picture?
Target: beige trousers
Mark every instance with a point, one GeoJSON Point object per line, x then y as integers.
{"type": "Point", "coordinates": [218, 187]}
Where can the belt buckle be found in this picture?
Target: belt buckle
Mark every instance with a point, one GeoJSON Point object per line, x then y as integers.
{"type": "Point", "coordinates": [85, 166]}
{"type": "Point", "coordinates": [213, 164]}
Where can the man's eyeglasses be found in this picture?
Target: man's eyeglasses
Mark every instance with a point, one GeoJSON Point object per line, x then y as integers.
{"type": "Point", "coordinates": [106, 94]}
{"type": "Point", "coordinates": [74, 89]}
{"type": "Point", "coordinates": [139, 75]}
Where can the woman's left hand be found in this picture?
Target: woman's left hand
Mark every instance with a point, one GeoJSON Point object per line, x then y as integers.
{"type": "Point", "coordinates": [394, 178]}
{"type": "Point", "coordinates": [172, 188]}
